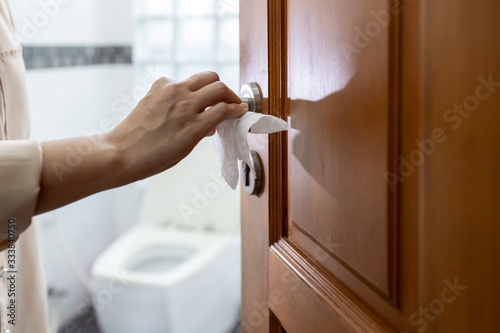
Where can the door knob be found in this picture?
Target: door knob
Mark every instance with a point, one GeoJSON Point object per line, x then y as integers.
{"type": "Point", "coordinates": [250, 182]}
{"type": "Point", "coordinates": [251, 94]}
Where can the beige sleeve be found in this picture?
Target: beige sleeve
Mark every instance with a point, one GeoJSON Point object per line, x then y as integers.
{"type": "Point", "coordinates": [20, 172]}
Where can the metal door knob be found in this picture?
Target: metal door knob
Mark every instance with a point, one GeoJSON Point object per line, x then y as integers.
{"type": "Point", "coordinates": [251, 94]}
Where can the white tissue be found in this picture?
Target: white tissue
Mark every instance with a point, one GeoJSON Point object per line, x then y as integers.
{"type": "Point", "coordinates": [230, 141]}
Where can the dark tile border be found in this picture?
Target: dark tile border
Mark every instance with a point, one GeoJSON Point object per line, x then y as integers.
{"type": "Point", "coordinates": [69, 56]}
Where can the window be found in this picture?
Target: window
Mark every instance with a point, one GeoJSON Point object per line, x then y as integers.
{"type": "Point", "coordinates": [182, 37]}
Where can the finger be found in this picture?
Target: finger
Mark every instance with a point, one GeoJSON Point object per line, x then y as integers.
{"type": "Point", "coordinates": [211, 133]}
{"type": "Point", "coordinates": [220, 112]}
{"type": "Point", "coordinates": [213, 94]}
{"type": "Point", "coordinates": [201, 80]}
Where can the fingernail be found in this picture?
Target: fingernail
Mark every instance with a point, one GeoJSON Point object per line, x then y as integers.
{"type": "Point", "coordinates": [245, 106]}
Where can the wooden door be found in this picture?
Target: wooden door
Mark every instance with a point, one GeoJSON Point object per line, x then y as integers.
{"type": "Point", "coordinates": [380, 205]}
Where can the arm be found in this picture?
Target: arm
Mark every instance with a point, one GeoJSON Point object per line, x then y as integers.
{"type": "Point", "coordinates": [163, 128]}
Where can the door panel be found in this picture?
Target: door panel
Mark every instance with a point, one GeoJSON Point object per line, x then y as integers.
{"type": "Point", "coordinates": [340, 117]}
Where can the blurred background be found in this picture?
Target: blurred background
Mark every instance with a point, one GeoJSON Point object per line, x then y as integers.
{"type": "Point", "coordinates": [88, 64]}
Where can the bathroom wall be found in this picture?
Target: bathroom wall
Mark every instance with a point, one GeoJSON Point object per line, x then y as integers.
{"type": "Point", "coordinates": [75, 101]}
{"type": "Point", "coordinates": [80, 100]}
{"type": "Point", "coordinates": [180, 38]}
{"type": "Point", "coordinates": [73, 22]}
{"type": "Point", "coordinates": [193, 195]}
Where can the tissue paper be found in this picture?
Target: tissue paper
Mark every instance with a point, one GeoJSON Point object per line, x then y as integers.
{"type": "Point", "coordinates": [230, 141]}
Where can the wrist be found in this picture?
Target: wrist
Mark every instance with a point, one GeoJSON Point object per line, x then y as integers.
{"type": "Point", "coordinates": [118, 161]}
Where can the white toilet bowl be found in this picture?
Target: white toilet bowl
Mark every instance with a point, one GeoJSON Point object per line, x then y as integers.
{"type": "Point", "coordinates": [159, 280]}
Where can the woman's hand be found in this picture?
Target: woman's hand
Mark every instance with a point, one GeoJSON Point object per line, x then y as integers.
{"type": "Point", "coordinates": [170, 120]}
{"type": "Point", "coordinates": [163, 128]}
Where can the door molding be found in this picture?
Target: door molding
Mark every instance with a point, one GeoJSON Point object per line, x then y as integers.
{"type": "Point", "coordinates": [278, 142]}
{"type": "Point", "coordinates": [298, 281]}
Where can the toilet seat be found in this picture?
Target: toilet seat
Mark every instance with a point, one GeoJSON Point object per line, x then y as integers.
{"type": "Point", "coordinates": [158, 259]}
{"type": "Point", "coordinates": [117, 262]}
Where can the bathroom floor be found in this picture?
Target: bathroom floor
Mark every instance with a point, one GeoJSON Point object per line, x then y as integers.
{"type": "Point", "coordinates": [84, 325]}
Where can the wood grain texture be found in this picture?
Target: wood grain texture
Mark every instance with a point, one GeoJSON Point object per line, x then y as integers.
{"type": "Point", "coordinates": [461, 199]}
{"type": "Point", "coordinates": [278, 171]}
{"type": "Point", "coordinates": [429, 262]}
{"type": "Point", "coordinates": [307, 301]}
{"type": "Point", "coordinates": [255, 316]}
{"type": "Point", "coordinates": [340, 134]}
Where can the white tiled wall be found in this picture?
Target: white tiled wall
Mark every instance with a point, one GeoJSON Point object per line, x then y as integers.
{"type": "Point", "coordinates": [193, 195]}
{"type": "Point", "coordinates": [73, 22]}
{"type": "Point", "coordinates": [73, 101]}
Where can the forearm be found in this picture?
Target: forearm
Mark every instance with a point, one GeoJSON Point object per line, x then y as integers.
{"type": "Point", "coordinates": [76, 168]}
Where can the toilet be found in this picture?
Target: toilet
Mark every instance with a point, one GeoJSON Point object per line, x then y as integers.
{"type": "Point", "coordinates": [178, 269]}
{"type": "Point", "coordinates": [160, 280]}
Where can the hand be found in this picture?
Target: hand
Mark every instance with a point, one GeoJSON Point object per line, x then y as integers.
{"type": "Point", "coordinates": [163, 128]}
{"type": "Point", "coordinates": [170, 120]}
